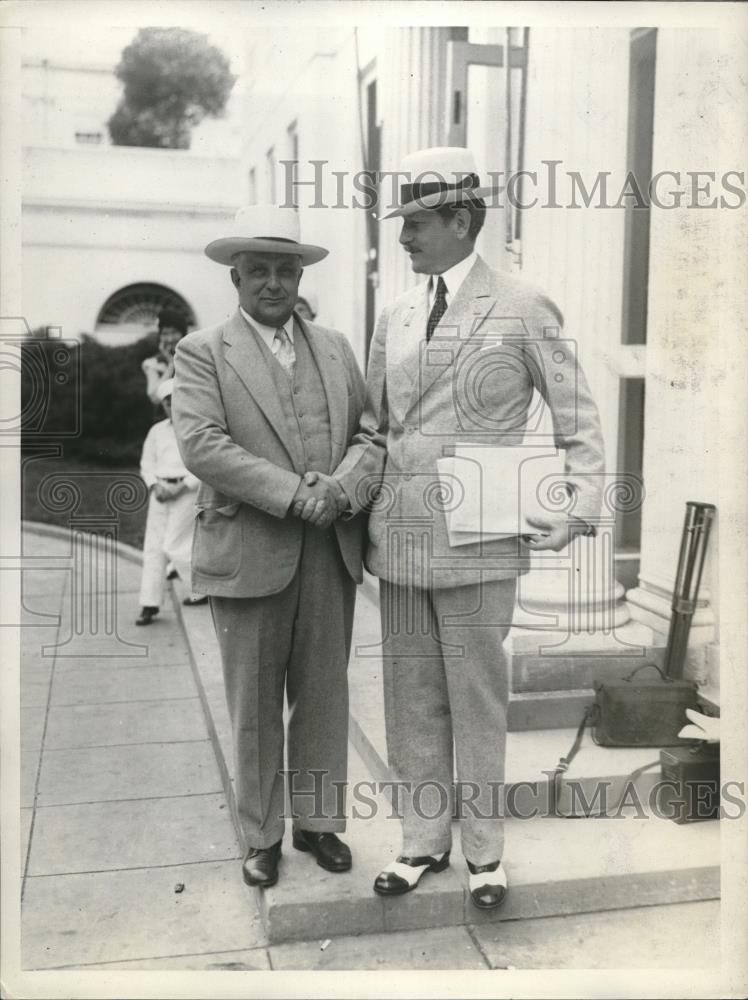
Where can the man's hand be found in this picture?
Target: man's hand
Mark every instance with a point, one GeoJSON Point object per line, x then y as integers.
{"type": "Point", "coordinates": [341, 497]}
{"type": "Point", "coordinates": [161, 492]}
{"type": "Point", "coordinates": [554, 535]}
{"type": "Point", "coordinates": [167, 491]}
{"type": "Point", "coordinates": [317, 500]}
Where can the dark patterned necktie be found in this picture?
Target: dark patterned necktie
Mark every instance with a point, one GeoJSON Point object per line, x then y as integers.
{"type": "Point", "coordinates": [438, 309]}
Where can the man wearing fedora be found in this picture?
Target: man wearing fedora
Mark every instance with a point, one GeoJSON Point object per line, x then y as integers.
{"type": "Point", "coordinates": [455, 361]}
{"type": "Point", "coordinates": [261, 400]}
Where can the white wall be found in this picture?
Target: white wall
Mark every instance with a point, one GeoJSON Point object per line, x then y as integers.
{"type": "Point", "coordinates": [130, 175]}
{"type": "Point", "coordinates": [68, 286]}
{"type": "Point", "coordinates": [576, 255]}
{"type": "Point", "coordinates": [97, 219]}
{"type": "Point", "coordinates": [685, 369]}
{"type": "Point", "coordinates": [321, 97]}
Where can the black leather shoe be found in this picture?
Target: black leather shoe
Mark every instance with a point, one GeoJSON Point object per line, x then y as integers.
{"type": "Point", "coordinates": [260, 865]}
{"type": "Point", "coordinates": [329, 850]}
{"type": "Point", "coordinates": [488, 885]}
{"type": "Point", "coordinates": [404, 873]}
{"type": "Point", "coordinates": [147, 615]}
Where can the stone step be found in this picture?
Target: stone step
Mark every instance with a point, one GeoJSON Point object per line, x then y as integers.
{"type": "Point", "coordinates": [541, 673]}
{"type": "Point", "coordinates": [547, 709]}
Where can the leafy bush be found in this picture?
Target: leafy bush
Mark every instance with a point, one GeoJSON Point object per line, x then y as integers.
{"type": "Point", "coordinates": [109, 394]}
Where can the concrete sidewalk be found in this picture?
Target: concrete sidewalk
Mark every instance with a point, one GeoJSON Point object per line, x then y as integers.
{"type": "Point", "coordinates": [130, 859]}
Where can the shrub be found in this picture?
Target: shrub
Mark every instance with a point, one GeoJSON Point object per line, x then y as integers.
{"type": "Point", "coordinates": [115, 412]}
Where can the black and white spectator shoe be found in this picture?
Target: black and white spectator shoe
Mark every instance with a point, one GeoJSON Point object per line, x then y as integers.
{"type": "Point", "coordinates": [487, 884]}
{"type": "Point", "coordinates": [403, 874]}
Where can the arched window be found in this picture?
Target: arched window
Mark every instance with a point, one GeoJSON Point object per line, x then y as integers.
{"type": "Point", "coordinates": [133, 311]}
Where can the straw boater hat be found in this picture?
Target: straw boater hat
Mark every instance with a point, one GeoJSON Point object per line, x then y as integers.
{"type": "Point", "coordinates": [442, 175]}
{"type": "Point", "coordinates": [264, 229]}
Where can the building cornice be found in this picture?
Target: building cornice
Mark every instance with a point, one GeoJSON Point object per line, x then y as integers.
{"type": "Point", "coordinates": [131, 208]}
{"type": "Point", "coordinates": [152, 152]}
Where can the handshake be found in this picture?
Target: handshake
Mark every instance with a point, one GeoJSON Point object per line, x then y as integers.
{"type": "Point", "coordinates": [320, 499]}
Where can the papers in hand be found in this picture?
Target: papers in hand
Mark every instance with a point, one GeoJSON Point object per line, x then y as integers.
{"type": "Point", "coordinates": [495, 489]}
{"type": "Point", "coordinates": [701, 727]}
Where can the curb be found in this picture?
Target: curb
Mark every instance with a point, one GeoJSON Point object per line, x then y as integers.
{"type": "Point", "coordinates": [128, 552]}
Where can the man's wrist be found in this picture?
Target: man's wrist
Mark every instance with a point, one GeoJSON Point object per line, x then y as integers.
{"type": "Point", "coordinates": [290, 508]}
{"type": "Point", "coordinates": [345, 508]}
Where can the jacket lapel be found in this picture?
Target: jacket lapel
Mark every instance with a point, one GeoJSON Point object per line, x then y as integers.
{"type": "Point", "coordinates": [332, 372]}
{"type": "Point", "coordinates": [244, 354]}
{"type": "Point", "coordinates": [467, 311]}
{"type": "Point", "coordinates": [404, 346]}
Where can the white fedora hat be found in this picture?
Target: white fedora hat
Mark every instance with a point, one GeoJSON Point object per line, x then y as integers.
{"type": "Point", "coordinates": [442, 175]}
{"type": "Point", "coordinates": [264, 229]}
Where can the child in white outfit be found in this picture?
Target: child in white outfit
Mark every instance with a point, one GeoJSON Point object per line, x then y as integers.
{"type": "Point", "coordinates": [171, 511]}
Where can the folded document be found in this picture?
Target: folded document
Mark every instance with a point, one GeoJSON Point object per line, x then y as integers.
{"type": "Point", "coordinates": [490, 491]}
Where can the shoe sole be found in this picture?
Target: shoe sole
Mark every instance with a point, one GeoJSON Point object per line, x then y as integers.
{"type": "Point", "coordinates": [263, 884]}
{"type": "Point", "coordinates": [488, 906]}
{"type": "Point", "coordinates": [259, 885]}
{"type": "Point", "coordinates": [440, 866]}
{"type": "Point", "coordinates": [306, 849]}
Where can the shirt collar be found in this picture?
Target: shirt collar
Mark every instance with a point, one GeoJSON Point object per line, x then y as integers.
{"type": "Point", "coordinates": [268, 332]}
{"type": "Point", "coordinates": [454, 277]}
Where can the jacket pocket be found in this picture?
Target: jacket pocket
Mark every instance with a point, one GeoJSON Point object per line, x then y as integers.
{"type": "Point", "coordinates": [217, 543]}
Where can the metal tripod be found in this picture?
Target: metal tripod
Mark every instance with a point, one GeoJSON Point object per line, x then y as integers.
{"type": "Point", "coordinates": [693, 545]}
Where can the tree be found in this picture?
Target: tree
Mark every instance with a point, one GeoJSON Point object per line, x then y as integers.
{"type": "Point", "coordinates": [172, 79]}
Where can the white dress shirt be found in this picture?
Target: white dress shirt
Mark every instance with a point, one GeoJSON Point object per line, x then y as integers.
{"type": "Point", "coordinates": [268, 332]}
{"type": "Point", "coordinates": [453, 279]}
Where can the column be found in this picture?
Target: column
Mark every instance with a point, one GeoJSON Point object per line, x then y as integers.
{"type": "Point", "coordinates": [571, 601]}
{"type": "Point", "coordinates": [413, 82]}
{"type": "Point", "coordinates": [684, 372]}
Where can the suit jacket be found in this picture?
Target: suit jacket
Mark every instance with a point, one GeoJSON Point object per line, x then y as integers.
{"type": "Point", "coordinates": [232, 436]}
{"type": "Point", "coordinates": [499, 340]}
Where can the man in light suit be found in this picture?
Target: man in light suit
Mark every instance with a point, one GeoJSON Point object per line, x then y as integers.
{"type": "Point", "coordinates": [455, 361]}
{"type": "Point", "coordinates": [259, 401]}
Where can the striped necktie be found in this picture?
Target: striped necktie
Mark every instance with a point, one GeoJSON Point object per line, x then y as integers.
{"type": "Point", "coordinates": [438, 309]}
{"type": "Point", "coordinates": [284, 352]}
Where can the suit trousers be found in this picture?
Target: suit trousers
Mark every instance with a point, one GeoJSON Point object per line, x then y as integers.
{"type": "Point", "coordinates": [295, 641]}
{"type": "Point", "coordinates": [446, 691]}
{"type": "Point", "coordinates": [168, 536]}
